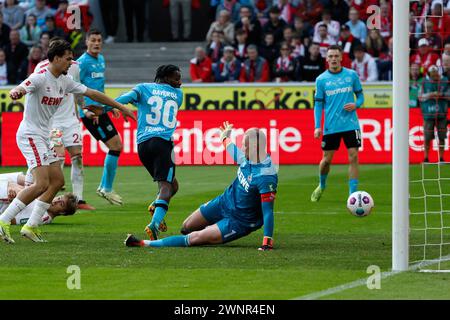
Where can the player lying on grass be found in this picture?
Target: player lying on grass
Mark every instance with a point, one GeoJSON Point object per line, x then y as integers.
{"type": "Point", "coordinates": [245, 206]}
{"type": "Point", "coordinates": [158, 104]}
{"type": "Point", "coordinates": [12, 183]}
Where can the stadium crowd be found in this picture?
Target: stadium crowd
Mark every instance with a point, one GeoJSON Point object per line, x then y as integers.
{"type": "Point", "coordinates": [286, 40]}
{"type": "Point", "coordinates": [26, 27]}
{"type": "Point", "coordinates": [248, 41]}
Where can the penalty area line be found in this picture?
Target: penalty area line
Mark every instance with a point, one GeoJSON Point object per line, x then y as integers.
{"type": "Point", "coordinates": [363, 281]}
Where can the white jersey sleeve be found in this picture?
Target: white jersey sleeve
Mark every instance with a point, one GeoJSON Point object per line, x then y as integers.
{"type": "Point", "coordinates": [74, 87]}
{"type": "Point", "coordinates": [33, 82]}
{"type": "Point", "coordinates": [74, 71]}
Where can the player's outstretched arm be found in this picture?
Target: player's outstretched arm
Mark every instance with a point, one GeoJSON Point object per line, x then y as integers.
{"type": "Point", "coordinates": [267, 201]}
{"type": "Point", "coordinates": [17, 93]}
{"type": "Point", "coordinates": [104, 99]}
{"type": "Point", "coordinates": [237, 155]}
{"type": "Point", "coordinates": [129, 97]}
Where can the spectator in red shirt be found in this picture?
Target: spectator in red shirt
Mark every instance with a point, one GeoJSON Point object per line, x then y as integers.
{"type": "Point", "coordinates": [284, 67]}
{"type": "Point", "coordinates": [255, 68]}
{"type": "Point", "coordinates": [201, 67]}
{"type": "Point", "coordinates": [61, 16]}
{"type": "Point", "coordinates": [348, 43]}
{"type": "Point", "coordinates": [441, 21]}
{"type": "Point", "coordinates": [362, 5]}
{"type": "Point", "coordinates": [310, 10]}
{"type": "Point", "coordinates": [424, 57]}
{"type": "Point", "coordinates": [386, 21]}
{"type": "Point", "coordinates": [286, 10]}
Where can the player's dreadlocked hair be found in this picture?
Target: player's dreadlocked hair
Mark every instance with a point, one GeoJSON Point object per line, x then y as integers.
{"type": "Point", "coordinates": [164, 71]}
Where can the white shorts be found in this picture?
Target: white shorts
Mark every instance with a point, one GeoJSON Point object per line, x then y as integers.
{"type": "Point", "coordinates": [36, 150]}
{"type": "Point", "coordinates": [4, 191]}
{"type": "Point", "coordinates": [71, 135]}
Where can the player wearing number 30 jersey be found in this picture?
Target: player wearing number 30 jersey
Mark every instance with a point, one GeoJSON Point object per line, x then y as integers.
{"type": "Point", "coordinates": [158, 104]}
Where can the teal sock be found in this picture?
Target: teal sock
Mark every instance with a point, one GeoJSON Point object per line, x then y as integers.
{"type": "Point", "coordinates": [353, 185]}
{"type": "Point", "coordinates": [173, 241]}
{"type": "Point", "coordinates": [161, 208]}
{"type": "Point", "coordinates": [323, 180]}
{"type": "Point", "coordinates": [109, 170]}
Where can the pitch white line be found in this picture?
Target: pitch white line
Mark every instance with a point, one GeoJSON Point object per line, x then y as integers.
{"type": "Point", "coordinates": [361, 282]}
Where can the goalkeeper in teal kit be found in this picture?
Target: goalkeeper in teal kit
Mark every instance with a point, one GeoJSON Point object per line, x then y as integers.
{"type": "Point", "coordinates": [245, 206]}
{"type": "Point", "coordinates": [335, 96]}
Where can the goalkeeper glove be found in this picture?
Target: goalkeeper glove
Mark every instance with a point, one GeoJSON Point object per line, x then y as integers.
{"type": "Point", "coordinates": [267, 244]}
{"type": "Point", "coordinates": [225, 130]}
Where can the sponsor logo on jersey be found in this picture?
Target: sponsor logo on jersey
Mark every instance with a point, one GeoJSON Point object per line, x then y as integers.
{"type": "Point", "coordinates": [339, 91]}
{"type": "Point", "coordinates": [244, 183]}
{"type": "Point", "coordinates": [95, 75]}
{"type": "Point", "coordinates": [164, 93]}
{"type": "Point", "coordinates": [50, 101]}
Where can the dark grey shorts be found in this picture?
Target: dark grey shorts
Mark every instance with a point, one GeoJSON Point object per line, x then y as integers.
{"type": "Point", "coordinates": [439, 124]}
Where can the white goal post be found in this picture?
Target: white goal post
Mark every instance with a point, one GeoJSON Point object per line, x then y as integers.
{"type": "Point", "coordinates": [400, 154]}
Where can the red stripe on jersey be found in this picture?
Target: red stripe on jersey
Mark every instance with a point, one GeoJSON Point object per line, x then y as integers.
{"type": "Point", "coordinates": [35, 151]}
{"type": "Point", "coordinates": [42, 71]}
{"type": "Point", "coordinates": [268, 197]}
{"type": "Point", "coordinates": [44, 65]}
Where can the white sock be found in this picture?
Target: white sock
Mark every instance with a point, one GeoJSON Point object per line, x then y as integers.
{"type": "Point", "coordinates": [147, 243]}
{"type": "Point", "coordinates": [77, 177]}
{"type": "Point", "coordinates": [61, 162]}
{"type": "Point", "coordinates": [40, 208]}
{"type": "Point", "coordinates": [29, 180]}
{"type": "Point", "coordinates": [13, 209]}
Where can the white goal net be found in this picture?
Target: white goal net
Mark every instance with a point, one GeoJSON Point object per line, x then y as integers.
{"type": "Point", "coordinates": [429, 94]}
{"type": "Point", "coordinates": [430, 216]}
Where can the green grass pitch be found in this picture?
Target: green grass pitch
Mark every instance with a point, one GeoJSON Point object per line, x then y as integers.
{"type": "Point", "coordinates": [318, 245]}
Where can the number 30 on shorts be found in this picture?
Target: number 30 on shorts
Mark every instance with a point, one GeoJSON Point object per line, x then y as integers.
{"type": "Point", "coordinates": [162, 110]}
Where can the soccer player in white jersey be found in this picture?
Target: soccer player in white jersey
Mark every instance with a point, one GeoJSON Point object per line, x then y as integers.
{"type": "Point", "coordinates": [45, 92]}
{"type": "Point", "coordinates": [66, 134]}
{"type": "Point", "coordinates": [64, 205]}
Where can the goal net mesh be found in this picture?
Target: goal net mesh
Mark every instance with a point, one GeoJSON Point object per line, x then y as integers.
{"type": "Point", "coordinates": [429, 93]}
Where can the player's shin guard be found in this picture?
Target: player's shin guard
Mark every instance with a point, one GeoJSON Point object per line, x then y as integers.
{"type": "Point", "coordinates": [173, 241]}
{"type": "Point", "coordinates": [77, 176]}
{"type": "Point", "coordinates": [353, 185]}
{"type": "Point", "coordinates": [109, 170]}
{"type": "Point", "coordinates": [160, 212]}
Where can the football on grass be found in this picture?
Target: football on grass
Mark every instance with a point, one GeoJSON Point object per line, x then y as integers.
{"type": "Point", "coordinates": [360, 203]}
